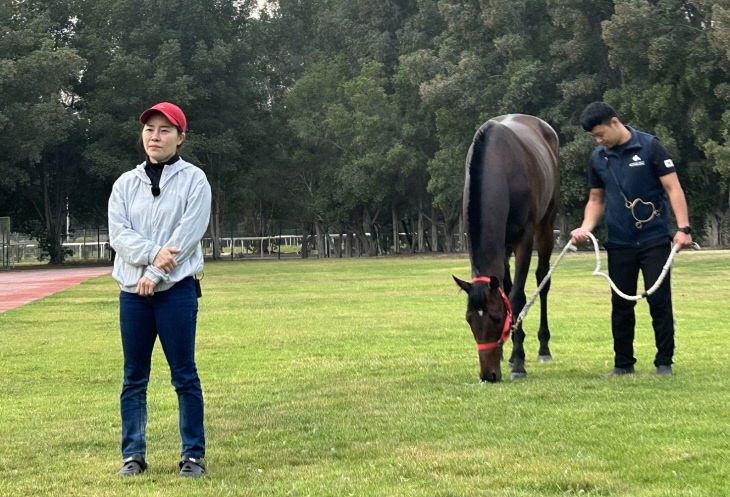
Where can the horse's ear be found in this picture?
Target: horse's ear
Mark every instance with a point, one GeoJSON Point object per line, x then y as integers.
{"type": "Point", "coordinates": [462, 284]}
{"type": "Point", "coordinates": [493, 282]}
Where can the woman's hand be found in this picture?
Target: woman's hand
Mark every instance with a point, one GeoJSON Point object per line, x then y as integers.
{"type": "Point", "coordinates": [145, 287]}
{"type": "Point", "coordinates": [164, 259]}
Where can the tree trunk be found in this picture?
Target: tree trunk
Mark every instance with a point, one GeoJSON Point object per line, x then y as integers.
{"type": "Point", "coordinates": [448, 241]}
{"type": "Point", "coordinates": [434, 231]}
{"type": "Point", "coordinates": [348, 244]}
{"type": "Point", "coordinates": [715, 228]}
{"type": "Point", "coordinates": [420, 227]}
{"type": "Point", "coordinates": [215, 229]}
{"type": "Point", "coordinates": [408, 230]}
{"type": "Point", "coordinates": [357, 242]}
{"type": "Point", "coordinates": [53, 224]}
{"type": "Point", "coordinates": [462, 237]}
{"type": "Point", "coordinates": [319, 240]}
{"type": "Point", "coordinates": [336, 243]}
{"type": "Point", "coordinates": [396, 237]}
{"type": "Point", "coordinates": [369, 243]}
{"type": "Point", "coordinates": [561, 225]}
{"type": "Point", "coordinates": [306, 234]}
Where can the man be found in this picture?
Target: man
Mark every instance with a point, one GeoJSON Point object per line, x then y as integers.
{"type": "Point", "coordinates": [630, 178]}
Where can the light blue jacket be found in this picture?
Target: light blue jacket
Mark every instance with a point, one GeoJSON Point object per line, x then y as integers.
{"type": "Point", "coordinates": [140, 224]}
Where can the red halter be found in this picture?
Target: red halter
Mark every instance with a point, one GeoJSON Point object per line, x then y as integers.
{"type": "Point", "coordinates": [507, 318]}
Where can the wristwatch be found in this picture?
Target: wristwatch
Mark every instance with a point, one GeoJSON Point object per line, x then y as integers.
{"type": "Point", "coordinates": [685, 229]}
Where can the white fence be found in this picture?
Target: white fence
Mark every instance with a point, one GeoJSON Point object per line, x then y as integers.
{"type": "Point", "coordinates": [21, 251]}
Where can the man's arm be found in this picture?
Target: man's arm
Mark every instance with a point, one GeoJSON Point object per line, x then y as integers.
{"type": "Point", "coordinates": [592, 213]}
{"type": "Point", "coordinates": [674, 190]}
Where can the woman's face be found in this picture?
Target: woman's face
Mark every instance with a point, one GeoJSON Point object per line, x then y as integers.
{"type": "Point", "coordinates": [160, 138]}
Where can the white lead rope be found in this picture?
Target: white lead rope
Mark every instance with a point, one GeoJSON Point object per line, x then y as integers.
{"type": "Point", "coordinates": [597, 272]}
{"type": "Point", "coordinates": [657, 283]}
{"type": "Point", "coordinates": [523, 313]}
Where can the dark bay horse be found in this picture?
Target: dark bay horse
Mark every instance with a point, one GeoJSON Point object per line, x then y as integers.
{"type": "Point", "coordinates": [511, 196]}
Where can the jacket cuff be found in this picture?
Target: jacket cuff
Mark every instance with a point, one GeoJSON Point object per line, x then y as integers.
{"type": "Point", "coordinates": [153, 254]}
{"type": "Point", "coordinates": [153, 274]}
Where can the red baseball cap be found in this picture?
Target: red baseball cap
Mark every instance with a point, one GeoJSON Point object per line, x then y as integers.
{"type": "Point", "coordinates": [172, 112]}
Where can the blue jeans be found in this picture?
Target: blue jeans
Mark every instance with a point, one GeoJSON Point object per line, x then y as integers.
{"type": "Point", "coordinates": [171, 315]}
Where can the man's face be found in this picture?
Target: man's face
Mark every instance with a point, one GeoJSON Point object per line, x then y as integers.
{"type": "Point", "coordinates": [609, 135]}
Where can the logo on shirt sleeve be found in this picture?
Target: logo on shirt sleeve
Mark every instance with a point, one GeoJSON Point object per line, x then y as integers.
{"type": "Point", "coordinates": [668, 163]}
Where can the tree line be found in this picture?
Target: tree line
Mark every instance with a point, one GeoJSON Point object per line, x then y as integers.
{"type": "Point", "coordinates": [343, 116]}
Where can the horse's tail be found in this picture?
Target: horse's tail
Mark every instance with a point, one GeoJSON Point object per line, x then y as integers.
{"type": "Point", "coordinates": [475, 167]}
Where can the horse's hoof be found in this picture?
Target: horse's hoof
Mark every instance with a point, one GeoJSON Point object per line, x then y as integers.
{"type": "Point", "coordinates": [544, 358]}
{"type": "Point", "coordinates": [516, 375]}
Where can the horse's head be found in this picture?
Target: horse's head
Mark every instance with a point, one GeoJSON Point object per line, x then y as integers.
{"type": "Point", "coordinates": [489, 314]}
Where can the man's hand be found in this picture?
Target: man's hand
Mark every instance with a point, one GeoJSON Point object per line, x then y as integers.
{"type": "Point", "coordinates": [164, 259]}
{"type": "Point", "coordinates": [683, 240]}
{"type": "Point", "coordinates": [578, 235]}
{"type": "Point", "coordinates": [145, 287]}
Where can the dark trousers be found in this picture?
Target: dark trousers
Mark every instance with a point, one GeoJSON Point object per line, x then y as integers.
{"type": "Point", "coordinates": [624, 264]}
{"type": "Point", "coordinates": [170, 315]}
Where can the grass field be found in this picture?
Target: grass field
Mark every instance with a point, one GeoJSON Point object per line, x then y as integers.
{"type": "Point", "coordinates": [359, 378]}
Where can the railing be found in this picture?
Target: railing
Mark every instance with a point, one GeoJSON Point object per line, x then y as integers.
{"type": "Point", "coordinates": [93, 245]}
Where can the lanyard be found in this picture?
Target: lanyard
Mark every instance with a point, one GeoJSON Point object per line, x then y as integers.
{"type": "Point", "coordinates": [632, 204]}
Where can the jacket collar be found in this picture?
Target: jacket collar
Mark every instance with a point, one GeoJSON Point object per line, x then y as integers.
{"type": "Point", "coordinates": [629, 145]}
{"type": "Point", "coordinates": [168, 162]}
{"type": "Point", "coordinates": [168, 171]}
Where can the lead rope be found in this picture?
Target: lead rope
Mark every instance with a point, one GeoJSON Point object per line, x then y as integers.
{"type": "Point", "coordinates": [526, 308]}
{"type": "Point", "coordinates": [597, 272]}
{"type": "Point", "coordinates": [634, 298]}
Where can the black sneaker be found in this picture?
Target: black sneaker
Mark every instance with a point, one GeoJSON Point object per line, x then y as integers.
{"type": "Point", "coordinates": [192, 467]}
{"type": "Point", "coordinates": [620, 371]}
{"type": "Point", "coordinates": [664, 370]}
{"type": "Point", "coordinates": [133, 465]}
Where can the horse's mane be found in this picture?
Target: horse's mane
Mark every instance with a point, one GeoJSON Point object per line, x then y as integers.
{"type": "Point", "coordinates": [474, 211]}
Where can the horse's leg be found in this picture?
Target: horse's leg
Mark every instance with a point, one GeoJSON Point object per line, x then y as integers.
{"type": "Point", "coordinates": [545, 243]}
{"type": "Point", "coordinates": [523, 252]}
{"type": "Point", "coordinates": [507, 282]}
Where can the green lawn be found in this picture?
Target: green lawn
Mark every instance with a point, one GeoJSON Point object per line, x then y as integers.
{"type": "Point", "coordinates": [359, 377]}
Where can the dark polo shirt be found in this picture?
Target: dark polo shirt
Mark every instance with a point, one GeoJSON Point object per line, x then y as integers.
{"type": "Point", "coordinates": [637, 166]}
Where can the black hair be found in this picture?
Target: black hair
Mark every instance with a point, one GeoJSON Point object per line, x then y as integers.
{"type": "Point", "coordinates": [596, 113]}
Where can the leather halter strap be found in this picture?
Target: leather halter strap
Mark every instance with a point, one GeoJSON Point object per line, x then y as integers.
{"type": "Point", "coordinates": [507, 319]}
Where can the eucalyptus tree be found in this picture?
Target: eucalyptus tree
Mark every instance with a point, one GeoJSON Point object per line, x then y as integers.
{"type": "Point", "coordinates": [382, 126]}
{"type": "Point", "coordinates": [362, 135]}
{"type": "Point", "coordinates": [199, 55]}
{"type": "Point", "coordinates": [418, 139]}
{"type": "Point", "coordinates": [579, 69]}
{"type": "Point", "coordinates": [488, 61]}
{"type": "Point", "coordinates": [673, 62]}
{"type": "Point", "coordinates": [39, 123]}
{"type": "Point", "coordinates": [365, 123]}
{"type": "Point", "coordinates": [312, 151]}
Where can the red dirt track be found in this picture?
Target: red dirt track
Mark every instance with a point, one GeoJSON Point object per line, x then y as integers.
{"type": "Point", "coordinates": [20, 287]}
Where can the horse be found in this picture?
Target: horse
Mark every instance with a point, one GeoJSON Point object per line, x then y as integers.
{"type": "Point", "coordinates": [511, 194]}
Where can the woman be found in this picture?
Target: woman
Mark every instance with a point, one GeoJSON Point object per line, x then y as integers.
{"type": "Point", "coordinates": [158, 212]}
